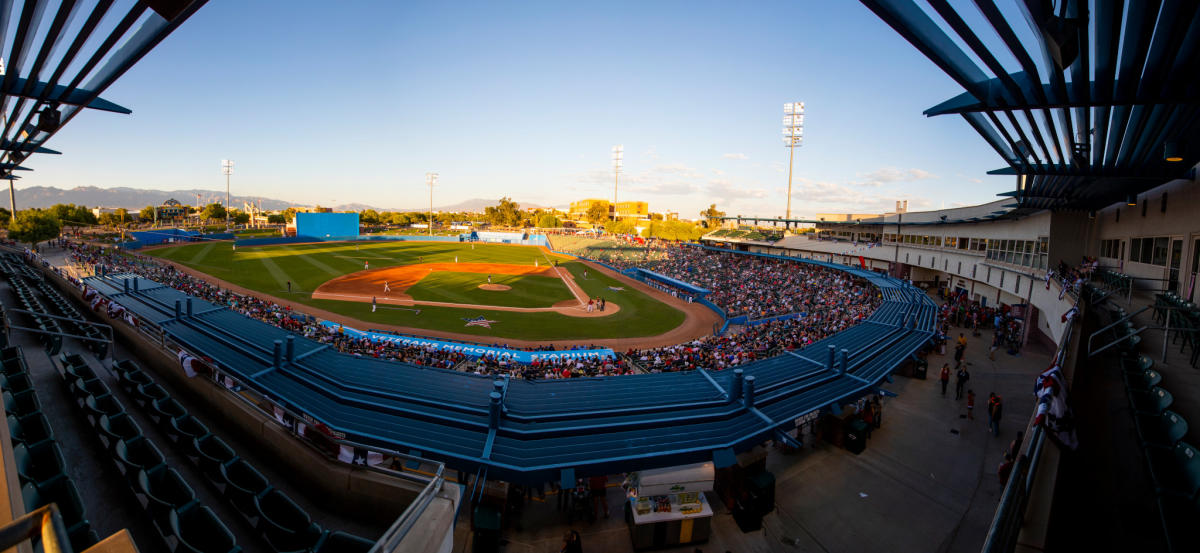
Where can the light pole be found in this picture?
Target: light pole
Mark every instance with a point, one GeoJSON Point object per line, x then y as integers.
{"type": "Point", "coordinates": [618, 156]}
{"type": "Point", "coordinates": [431, 180]}
{"type": "Point", "coordinates": [793, 136]}
{"type": "Point", "coordinates": [227, 169]}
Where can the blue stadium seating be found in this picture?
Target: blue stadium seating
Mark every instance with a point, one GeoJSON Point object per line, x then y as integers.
{"type": "Point", "coordinates": [605, 425]}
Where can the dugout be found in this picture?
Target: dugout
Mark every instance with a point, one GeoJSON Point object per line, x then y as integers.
{"type": "Point", "coordinates": [327, 225]}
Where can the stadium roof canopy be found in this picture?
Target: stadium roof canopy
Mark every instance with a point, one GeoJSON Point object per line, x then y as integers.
{"type": "Point", "coordinates": [59, 56]}
{"type": "Point", "coordinates": [1084, 102]}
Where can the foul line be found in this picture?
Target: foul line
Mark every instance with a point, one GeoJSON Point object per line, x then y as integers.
{"type": "Point", "coordinates": [570, 283]}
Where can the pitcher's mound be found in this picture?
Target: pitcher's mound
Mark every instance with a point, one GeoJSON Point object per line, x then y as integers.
{"type": "Point", "coordinates": [495, 287]}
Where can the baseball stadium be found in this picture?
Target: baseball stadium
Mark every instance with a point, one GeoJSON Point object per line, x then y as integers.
{"type": "Point", "coordinates": [605, 377]}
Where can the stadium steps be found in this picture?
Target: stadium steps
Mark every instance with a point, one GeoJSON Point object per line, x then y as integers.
{"type": "Point", "coordinates": [100, 487]}
{"type": "Point", "coordinates": [255, 515]}
{"type": "Point", "coordinates": [246, 535]}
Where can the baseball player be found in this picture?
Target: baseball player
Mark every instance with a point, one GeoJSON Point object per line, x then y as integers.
{"type": "Point", "coordinates": [372, 304]}
{"type": "Point", "coordinates": [386, 288]}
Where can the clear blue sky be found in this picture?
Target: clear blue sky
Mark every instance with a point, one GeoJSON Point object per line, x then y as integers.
{"type": "Point", "coordinates": [339, 102]}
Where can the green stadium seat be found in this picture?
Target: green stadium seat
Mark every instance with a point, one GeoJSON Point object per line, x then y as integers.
{"type": "Point", "coordinates": [187, 428]}
{"type": "Point", "coordinates": [129, 381]}
{"type": "Point", "coordinates": [165, 409]}
{"type": "Point", "coordinates": [1143, 380]}
{"type": "Point", "coordinates": [1176, 472]}
{"type": "Point", "coordinates": [97, 407]}
{"type": "Point", "coordinates": [41, 464]}
{"type": "Point", "coordinates": [94, 387]}
{"type": "Point", "coordinates": [283, 524]}
{"type": "Point", "coordinates": [61, 492]}
{"type": "Point", "coordinates": [1163, 430]}
{"type": "Point", "coordinates": [10, 352]}
{"type": "Point", "coordinates": [14, 366]}
{"type": "Point", "coordinates": [24, 403]}
{"type": "Point", "coordinates": [118, 427]}
{"type": "Point", "coordinates": [341, 542]}
{"type": "Point", "coordinates": [16, 383]}
{"type": "Point", "coordinates": [76, 372]}
{"type": "Point", "coordinates": [137, 454]}
{"type": "Point", "coordinates": [243, 483]}
{"type": "Point", "coordinates": [30, 429]}
{"type": "Point", "coordinates": [146, 394]}
{"type": "Point", "coordinates": [166, 491]}
{"type": "Point", "coordinates": [200, 531]}
{"type": "Point", "coordinates": [1153, 401]}
{"type": "Point", "coordinates": [212, 452]}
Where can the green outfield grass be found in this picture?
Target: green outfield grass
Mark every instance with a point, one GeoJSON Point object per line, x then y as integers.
{"type": "Point", "coordinates": [527, 291]}
{"type": "Point", "coordinates": [269, 268]}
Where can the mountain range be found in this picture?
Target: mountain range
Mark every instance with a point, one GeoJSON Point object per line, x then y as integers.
{"type": "Point", "coordinates": [137, 198]}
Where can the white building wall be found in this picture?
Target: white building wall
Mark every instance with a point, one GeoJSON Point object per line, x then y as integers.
{"type": "Point", "coordinates": [1180, 221]}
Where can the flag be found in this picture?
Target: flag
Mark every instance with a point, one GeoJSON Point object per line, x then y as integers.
{"type": "Point", "coordinates": [862, 262]}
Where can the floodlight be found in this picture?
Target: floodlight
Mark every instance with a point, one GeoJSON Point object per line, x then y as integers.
{"type": "Point", "coordinates": [793, 137]}
{"type": "Point", "coordinates": [431, 180]}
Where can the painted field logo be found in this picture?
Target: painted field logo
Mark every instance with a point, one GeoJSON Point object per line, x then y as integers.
{"type": "Point", "coordinates": [479, 321]}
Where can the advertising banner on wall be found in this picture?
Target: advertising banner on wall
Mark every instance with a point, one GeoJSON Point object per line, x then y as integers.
{"type": "Point", "coordinates": [475, 350]}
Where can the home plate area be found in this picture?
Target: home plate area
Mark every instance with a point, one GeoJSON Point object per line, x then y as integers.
{"type": "Point", "coordinates": [368, 286]}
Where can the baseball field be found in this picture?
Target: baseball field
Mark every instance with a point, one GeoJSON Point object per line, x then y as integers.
{"type": "Point", "coordinates": [492, 290]}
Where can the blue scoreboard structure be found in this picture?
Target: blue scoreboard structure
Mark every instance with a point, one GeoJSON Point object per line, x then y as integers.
{"type": "Point", "coordinates": [327, 225]}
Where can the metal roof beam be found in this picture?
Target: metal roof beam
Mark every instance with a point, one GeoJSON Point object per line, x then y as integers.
{"type": "Point", "coordinates": [74, 97]}
{"type": "Point", "coordinates": [915, 26]}
{"type": "Point", "coordinates": [1167, 172]}
{"type": "Point", "coordinates": [965, 103]}
{"type": "Point", "coordinates": [8, 145]}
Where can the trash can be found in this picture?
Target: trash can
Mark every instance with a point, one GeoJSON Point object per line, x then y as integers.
{"type": "Point", "coordinates": [921, 370]}
{"type": "Point", "coordinates": [855, 440]}
{"type": "Point", "coordinates": [762, 490]}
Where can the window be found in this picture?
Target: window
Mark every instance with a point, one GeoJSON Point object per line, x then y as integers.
{"type": "Point", "coordinates": [1160, 251]}
{"type": "Point", "coordinates": [963, 243]}
{"type": "Point", "coordinates": [951, 242]}
{"type": "Point", "coordinates": [1150, 250]}
{"type": "Point", "coordinates": [1112, 248]}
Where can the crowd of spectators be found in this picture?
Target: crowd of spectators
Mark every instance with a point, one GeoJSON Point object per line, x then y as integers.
{"type": "Point", "coordinates": [829, 300]}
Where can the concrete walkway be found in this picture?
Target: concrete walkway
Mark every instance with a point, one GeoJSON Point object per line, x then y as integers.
{"type": "Point", "coordinates": [926, 482]}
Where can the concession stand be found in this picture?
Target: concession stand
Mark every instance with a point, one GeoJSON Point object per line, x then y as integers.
{"type": "Point", "coordinates": [666, 507]}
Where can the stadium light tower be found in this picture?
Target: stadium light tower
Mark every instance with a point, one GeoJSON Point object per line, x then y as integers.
{"type": "Point", "coordinates": [431, 179]}
{"type": "Point", "coordinates": [793, 136]}
{"type": "Point", "coordinates": [227, 169]}
{"type": "Point", "coordinates": [618, 155]}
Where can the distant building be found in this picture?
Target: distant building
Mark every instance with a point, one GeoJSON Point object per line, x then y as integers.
{"type": "Point", "coordinates": [314, 209]}
{"type": "Point", "coordinates": [170, 209]}
{"type": "Point", "coordinates": [579, 209]}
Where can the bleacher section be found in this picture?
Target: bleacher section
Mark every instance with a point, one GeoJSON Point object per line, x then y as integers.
{"type": "Point", "coordinates": [43, 471]}
{"type": "Point", "coordinates": [169, 500]}
{"type": "Point", "coordinates": [531, 431]}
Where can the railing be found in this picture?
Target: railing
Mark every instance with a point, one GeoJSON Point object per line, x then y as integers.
{"type": "Point", "coordinates": [45, 523]}
{"type": "Point", "coordinates": [433, 480]}
{"type": "Point", "coordinates": [1010, 513]}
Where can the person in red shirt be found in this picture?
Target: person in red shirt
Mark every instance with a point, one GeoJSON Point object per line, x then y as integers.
{"type": "Point", "coordinates": [945, 377]}
{"type": "Point", "coordinates": [599, 488]}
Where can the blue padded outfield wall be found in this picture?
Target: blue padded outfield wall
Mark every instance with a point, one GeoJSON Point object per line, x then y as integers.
{"type": "Point", "coordinates": [327, 225]}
